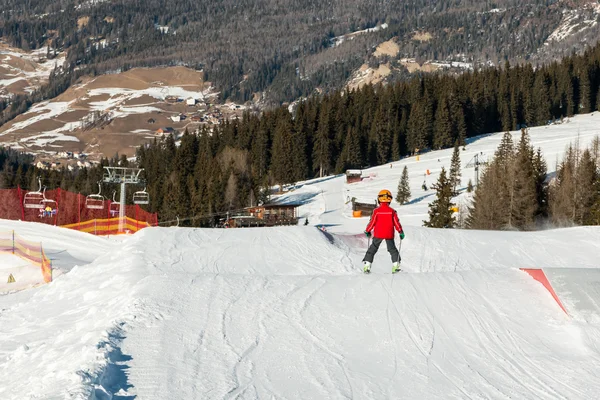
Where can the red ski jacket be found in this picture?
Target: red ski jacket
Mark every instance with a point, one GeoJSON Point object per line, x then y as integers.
{"type": "Point", "coordinates": [383, 221]}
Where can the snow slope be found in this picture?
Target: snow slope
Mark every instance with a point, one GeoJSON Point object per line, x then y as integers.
{"type": "Point", "coordinates": [285, 313]}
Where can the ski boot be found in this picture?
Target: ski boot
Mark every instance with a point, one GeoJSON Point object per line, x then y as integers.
{"type": "Point", "coordinates": [367, 267]}
{"type": "Point", "coordinates": [396, 267]}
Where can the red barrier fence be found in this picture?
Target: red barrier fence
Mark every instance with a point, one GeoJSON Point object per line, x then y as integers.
{"type": "Point", "coordinates": [30, 251]}
{"type": "Point", "coordinates": [61, 207]}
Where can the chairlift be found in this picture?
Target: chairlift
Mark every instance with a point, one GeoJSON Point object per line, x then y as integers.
{"type": "Point", "coordinates": [141, 197]}
{"type": "Point", "coordinates": [95, 201]}
{"type": "Point", "coordinates": [34, 199]}
{"type": "Point", "coordinates": [115, 206]}
{"type": "Point", "coordinates": [48, 206]}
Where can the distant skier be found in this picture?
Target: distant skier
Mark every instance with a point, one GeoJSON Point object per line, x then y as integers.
{"type": "Point", "coordinates": [383, 222]}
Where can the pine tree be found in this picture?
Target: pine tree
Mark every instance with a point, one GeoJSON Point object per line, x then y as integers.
{"type": "Point", "coordinates": [459, 126]}
{"type": "Point", "coordinates": [540, 171]}
{"type": "Point", "coordinates": [440, 213]}
{"type": "Point", "coordinates": [488, 208]}
{"type": "Point", "coordinates": [563, 190]}
{"type": "Point", "coordinates": [417, 128]}
{"type": "Point", "coordinates": [442, 127]}
{"type": "Point", "coordinates": [522, 204]}
{"type": "Point", "coordinates": [282, 161]}
{"type": "Point", "coordinates": [260, 150]}
{"type": "Point", "coordinates": [455, 173]}
{"type": "Point", "coordinates": [595, 149]}
{"type": "Point", "coordinates": [470, 186]}
{"type": "Point", "coordinates": [380, 134]}
{"type": "Point", "coordinates": [403, 194]}
{"type": "Point", "coordinates": [587, 178]}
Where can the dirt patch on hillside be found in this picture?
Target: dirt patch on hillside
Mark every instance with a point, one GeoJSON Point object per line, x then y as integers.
{"type": "Point", "coordinates": [43, 125]}
{"type": "Point", "coordinates": [366, 75]}
{"type": "Point", "coordinates": [82, 21]}
{"type": "Point", "coordinates": [134, 122]}
{"type": "Point", "coordinates": [86, 103]}
{"type": "Point", "coordinates": [170, 76]}
{"type": "Point", "coordinates": [124, 81]}
{"type": "Point", "coordinates": [413, 66]}
{"type": "Point", "coordinates": [142, 78]}
{"type": "Point", "coordinates": [389, 48]}
{"type": "Point", "coordinates": [140, 101]}
{"type": "Point", "coordinates": [19, 63]}
{"type": "Point", "coordinates": [72, 116]}
{"type": "Point", "coordinates": [422, 36]}
{"type": "Point", "coordinates": [18, 87]}
{"type": "Point", "coordinates": [6, 73]}
{"type": "Point", "coordinates": [113, 143]}
{"type": "Point", "coordinates": [20, 118]}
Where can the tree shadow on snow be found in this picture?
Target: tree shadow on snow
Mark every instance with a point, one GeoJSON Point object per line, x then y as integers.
{"type": "Point", "coordinates": [473, 139]}
{"type": "Point", "coordinates": [418, 199]}
{"type": "Point", "coordinates": [113, 380]}
{"type": "Point", "coordinates": [298, 199]}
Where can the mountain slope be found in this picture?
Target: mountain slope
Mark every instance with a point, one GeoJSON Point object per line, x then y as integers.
{"type": "Point", "coordinates": [285, 50]}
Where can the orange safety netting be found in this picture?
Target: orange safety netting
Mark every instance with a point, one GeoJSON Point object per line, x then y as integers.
{"type": "Point", "coordinates": [27, 250]}
{"type": "Point", "coordinates": [61, 207]}
{"type": "Point", "coordinates": [109, 226]}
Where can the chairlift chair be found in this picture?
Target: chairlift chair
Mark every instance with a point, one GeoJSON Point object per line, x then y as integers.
{"type": "Point", "coordinates": [48, 206]}
{"type": "Point", "coordinates": [95, 201]}
{"type": "Point", "coordinates": [141, 197]}
{"type": "Point", "coordinates": [34, 199]}
{"type": "Point", "coordinates": [115, 206]}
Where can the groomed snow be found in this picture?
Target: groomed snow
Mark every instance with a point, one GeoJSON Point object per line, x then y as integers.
{"type": "Point", "coordinates": [286, 313]}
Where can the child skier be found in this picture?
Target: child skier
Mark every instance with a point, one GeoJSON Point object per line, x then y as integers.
{"type": "Point", "coordinates": [383, 222]}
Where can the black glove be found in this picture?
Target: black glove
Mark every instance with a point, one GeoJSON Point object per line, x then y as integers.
{"type": "Point", "coordinates": [368, 234]}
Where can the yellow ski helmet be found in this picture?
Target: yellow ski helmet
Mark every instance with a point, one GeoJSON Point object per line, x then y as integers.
{"type": "Point", "coordinates": [384, 196]}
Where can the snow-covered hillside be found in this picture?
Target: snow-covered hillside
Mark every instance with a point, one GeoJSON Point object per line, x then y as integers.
{"type": "Point", "coordinates": [286, 313]}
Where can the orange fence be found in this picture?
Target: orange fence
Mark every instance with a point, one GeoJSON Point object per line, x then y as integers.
{"type": "Point", "coordinates": [30, 251]}
{"type": "Point", "coordinates": [64, 208]}
{"type": "Point", "coordinates": [108, 226]}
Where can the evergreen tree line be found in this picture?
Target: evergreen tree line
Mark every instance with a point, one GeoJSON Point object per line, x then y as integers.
{"type": "Point", "coordinates": [514, 192]}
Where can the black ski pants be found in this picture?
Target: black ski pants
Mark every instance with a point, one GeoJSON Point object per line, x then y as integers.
{"type": "Point", "coordinates": [391, 246]}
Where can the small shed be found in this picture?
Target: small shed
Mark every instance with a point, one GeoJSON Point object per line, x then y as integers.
{"type": "Point", "coordinates": [353, 175]}
{"type": "Point", "coordinates": [366, 209]}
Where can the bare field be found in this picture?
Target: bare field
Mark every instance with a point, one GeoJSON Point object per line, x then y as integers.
{"type": "Point", "coordinates": [422, 36]}
{"type": "Point", "coordinates": [389, 48]}
{"type": "Point", "coordinates": [18, 87]}
{"type": "Point", "coordinates": [366, 75]}
{"type": "Point", "coordinates": [134, 105]}
{"type": "Point", "coordinates": [413, 66]}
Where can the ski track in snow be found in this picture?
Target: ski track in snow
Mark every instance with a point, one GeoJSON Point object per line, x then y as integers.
{"type": "Point", "coordinates": [286, 312]}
